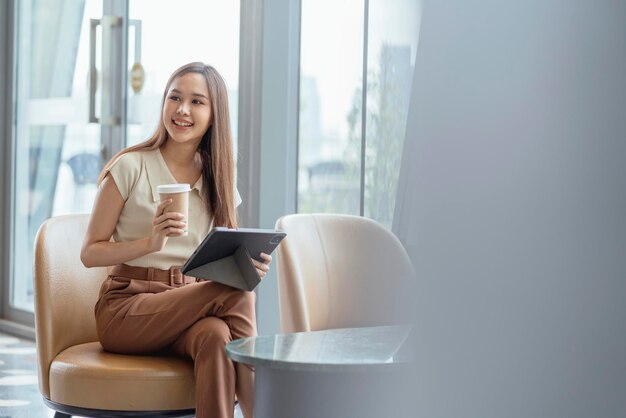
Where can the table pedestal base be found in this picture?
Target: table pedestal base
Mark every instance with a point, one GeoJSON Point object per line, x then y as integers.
{"type": "Point", "coordinates": [322, 394]}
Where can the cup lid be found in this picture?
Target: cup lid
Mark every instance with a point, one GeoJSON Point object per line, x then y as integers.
{"type": "Point", "coordinates": [173, 188]}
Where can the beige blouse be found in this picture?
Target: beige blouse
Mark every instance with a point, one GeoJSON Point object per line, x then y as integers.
{"type": "Point", "coordinates": [137, 175]}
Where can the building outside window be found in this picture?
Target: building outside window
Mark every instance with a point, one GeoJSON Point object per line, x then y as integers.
{"type": "Point", "coordinates": [335, 173]}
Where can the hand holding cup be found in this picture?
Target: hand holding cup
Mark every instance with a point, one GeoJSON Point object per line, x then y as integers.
{"type": "Point", "coordinates": [178, 194]}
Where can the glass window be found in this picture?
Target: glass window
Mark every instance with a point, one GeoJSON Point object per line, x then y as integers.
{"type": "Point", "coordinates": [392, 43]}
{"type": "Point", "coordinates": [331, 67]}
{"type": "Point", "coordinates": [331, 105]}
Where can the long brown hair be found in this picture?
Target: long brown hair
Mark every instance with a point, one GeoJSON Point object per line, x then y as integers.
{"type": "Point", "coordinates": [215, 148]}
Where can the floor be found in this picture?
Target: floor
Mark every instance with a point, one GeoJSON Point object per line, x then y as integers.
{"type": "Point", "coordinates": [19, 393]}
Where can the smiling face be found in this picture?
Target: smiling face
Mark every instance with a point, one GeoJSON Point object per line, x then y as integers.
{"type": "Point", "coordinates": [187, 109]}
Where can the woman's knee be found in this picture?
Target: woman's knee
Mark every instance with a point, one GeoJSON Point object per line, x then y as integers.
{"type": "Point", "coordinates": [210, 332]}
{"type": "Point", "coordinates": [243, 300]}
{"type": "Point", "coordinates": [249, 298]}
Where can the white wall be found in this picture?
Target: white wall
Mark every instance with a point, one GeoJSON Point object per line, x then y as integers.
{"type": "Point", "coordinates": [519, 130]}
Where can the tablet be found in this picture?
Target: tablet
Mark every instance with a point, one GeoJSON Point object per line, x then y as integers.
{"type": "Point", "coordinates": [224, 255]}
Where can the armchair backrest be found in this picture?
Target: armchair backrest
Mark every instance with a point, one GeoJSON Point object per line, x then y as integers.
{"type": "Point", "coordinates": [65, 291]}
{"type": "Point", "coordinates": [337, 271]}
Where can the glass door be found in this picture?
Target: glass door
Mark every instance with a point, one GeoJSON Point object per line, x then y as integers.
{"type": "Point", "coordinates": [57, 147]}
{"type": "Point", "coordinates": [89, 81]}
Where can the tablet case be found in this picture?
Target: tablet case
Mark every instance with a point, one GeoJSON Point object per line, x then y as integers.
{"type": "Point", "coordinates": [237, 269]}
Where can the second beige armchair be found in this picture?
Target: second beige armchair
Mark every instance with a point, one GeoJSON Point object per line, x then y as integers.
{"type": "Point", "coordinates": [341, 271]}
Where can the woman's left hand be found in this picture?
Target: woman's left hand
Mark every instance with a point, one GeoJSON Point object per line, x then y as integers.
{"type": "Point", "coordinates": [263, 267]}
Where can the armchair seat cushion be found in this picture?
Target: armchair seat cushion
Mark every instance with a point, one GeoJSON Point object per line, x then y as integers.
{"type": "Point", "coordinates": [86, 376]}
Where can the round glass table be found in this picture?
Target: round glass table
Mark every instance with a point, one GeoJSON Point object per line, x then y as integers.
{"type": "Point", "coordinates": [351, 372]}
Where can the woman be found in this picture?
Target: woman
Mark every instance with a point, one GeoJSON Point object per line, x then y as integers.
{"type": "Point", "coordinates": [146, 305]}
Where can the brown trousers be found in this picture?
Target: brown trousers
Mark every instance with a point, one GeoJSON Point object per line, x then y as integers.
{"type": "Point", "coordinates": [143, 310]}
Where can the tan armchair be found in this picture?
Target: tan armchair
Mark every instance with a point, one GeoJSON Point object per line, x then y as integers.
{"type": "Point", "coordinates": [76, 376]}
{"type": "Point", "coordinates": [341, 271]}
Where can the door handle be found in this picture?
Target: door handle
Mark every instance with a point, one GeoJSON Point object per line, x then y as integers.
{"type": "Point", "coordinates": [93, 72]}
{"type": "Point", "coordinates": [108, 23]}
